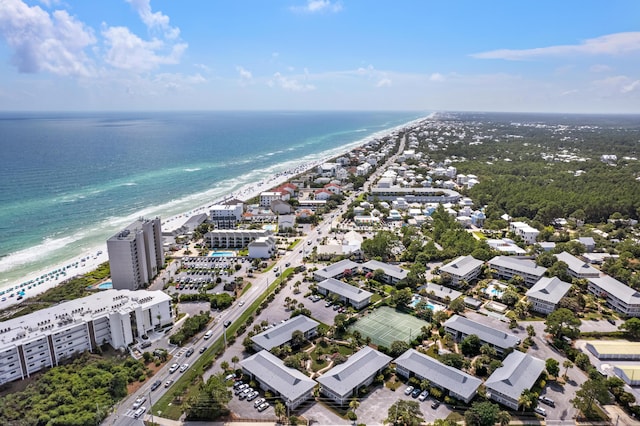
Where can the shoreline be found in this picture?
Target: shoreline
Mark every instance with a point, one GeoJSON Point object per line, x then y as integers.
{"type": "Point", "coordinates": [97, 255]}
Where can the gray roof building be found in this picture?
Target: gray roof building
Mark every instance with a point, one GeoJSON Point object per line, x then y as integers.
{"type": "Point", "coordinates": [342, 381]}
{"type": "Point", "coordinates": [393, 273]}
{"type": "Point", "coordinates": [281, 333]}
{"type": "Point", "coordinates": [519, 371]}
{"type": "Point", "coordinates": [355, 296]}
{"type": "Point", "coordinates": [508, 267]}
{"type": "Point", "coordinates": [335, 270]}
{"type": "Point", "coordinates": [462, 268]}
{"type": "Point", "coordinates": [577, 268]}
{"type": "Point", "coordinates": [293, 386]}
{"type": "Point", "coordinates": [440, 291]}
{"type": "Point", "coordinates": [462, 327]}
{"type": "Point", "coordinates": [619, 296]}
{"type": "Point", "coordinates": [459, 384]}
{"type": "Point", "coordinates": [546, 293]}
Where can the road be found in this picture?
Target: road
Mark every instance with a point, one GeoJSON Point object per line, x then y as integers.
{"type": "Point", "coordinates": [123, 414]}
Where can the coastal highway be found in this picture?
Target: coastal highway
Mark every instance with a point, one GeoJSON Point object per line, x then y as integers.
{"type": "Point", "coordinates": [123, 414]}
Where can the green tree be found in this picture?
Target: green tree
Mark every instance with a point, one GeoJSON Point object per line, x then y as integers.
{"type": "Point", "coordinates": [481, 414]}
{"type": "Point", "coordinates": [404, 413]}
{"type": "Point", "coordinates": [211, 401]}
{"type": "Point", "coordinates": [382, 245]}
{"type": "Point", "coordinates": [503, 418]}
{"type": "Point", "coordinates": [401, 297]}
{"type": "Point", "coordinates": [567, 364]}
{"type": "Point", "coordinates": [590, 391]}
{"type": "Point", "coordinates": [297, 338]}
{"type": "Point", "coordinates": [527, 399]}
{"type": "Point", "coordinates": [398, 347]}
{"type": "Point", "coordinates": [457, 305]}
{"type": "Point", "coordinates": [280, 411]}
{"type": "Point", "coordinates": [632, 327]}
{"type": "Point", "coordinates": [563, 322]}
{"type": "Point", "coordinates": [235, 360]}
{"type": "Point", "coordinates": [553, 367]}
{"type": "Point", "coordinates": [470, 345]}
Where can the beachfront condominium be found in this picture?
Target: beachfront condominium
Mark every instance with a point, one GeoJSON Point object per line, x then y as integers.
{"type": "Point", "coordinates": [135, 254]}
{"type": "Point", "coordinates": [45, 338]}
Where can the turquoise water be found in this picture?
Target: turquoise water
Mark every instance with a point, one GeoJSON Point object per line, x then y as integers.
{"type": "Point", "coordinates": [106, 285]}
{"type": "Point", "coordinates": [78, 178]}
{"type": "Point", "coordinates": [222, 254]}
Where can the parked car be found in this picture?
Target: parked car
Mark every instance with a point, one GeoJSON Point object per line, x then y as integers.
{"type": "Point", "coordinates": [236, 385]}
{"type": "Point", "coordinates": [173, 367]}
{"type": "Point", "coordinates": [138, 402]}
{"type": "Point", "coordinates": [408, 390]}
{"type": "Point", "coordinates": [258, 402]}
{"type": "Point", "coordinates": [423, 395]}
{"type": "Point", "coordinates": [547, 400]}
{"type": "Point", "coordinates": [241, 388]}
{"type": "Point", "coordinates": [263, 406]}
{"type": "Point", "coordinates": [540, 411]}
{"type": "Point", "coordinates": [156, 385]}
{"type": "Point", "coordinates": [435, 404]}
{"type": "Point", "coordinates": [230, 376]}
{"type": "Point", "coordinates": [253, 395]}
{"type": "Point", "coordinates": [416, 392]}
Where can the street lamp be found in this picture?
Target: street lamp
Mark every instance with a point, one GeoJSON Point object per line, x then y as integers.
{"type": "Point", "coordinates": [225, 334]}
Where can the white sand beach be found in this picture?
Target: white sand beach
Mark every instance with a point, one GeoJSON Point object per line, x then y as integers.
{"type": "Point", "coordinates": [41, 281]}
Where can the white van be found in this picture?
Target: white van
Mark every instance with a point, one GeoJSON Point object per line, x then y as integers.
{"type": "Point", "coordinates": [208, 335]}
{"type": "Point", "coordinates": [140, 411]}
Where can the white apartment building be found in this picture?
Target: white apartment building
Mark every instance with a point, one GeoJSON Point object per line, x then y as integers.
{"type": "Point", "coordinates": [545, 295]}
{"type": "Point", "coordinates": [44, 338]}
{"type": "Point", "coordinates": [618, 296]}
{"type": "Point", "coordinates": [576, 267]}
{"type": "Point", "coordinates": [234, 238]}
{"type": "Point", "coordinates": [463, 268]}
{"type": "Point", "coordinates": [507, 267]}
{"type": "Point", "coordinates": [524, 231]}
{"type": "Point", "coordinates": [267, 197]}
{"type": "Point", "coordinates": [262, 247]}
{"type": "Point", "coordinates": [135, 254]}
{"type": "Point", "coordinates": [226, 216]}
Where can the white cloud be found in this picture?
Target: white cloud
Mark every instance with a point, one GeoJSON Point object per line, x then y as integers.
{"type": "Point", "coordinates": [611, 44]}
{"type": "Point", "coordinates": [41, 41]}
{"type": "Point", "coordinates": [289, 84]}
{"type": "Point", "coordinates": [600, 68]}
{"type": "Point", "coordinates": [436, 76]}
{"type": "Point", "coordinates": [316, 6]}
{"type": "Point", "coordinates": [634, 85]}
{"type": "Point", "coordinates": [246, 77]}
{"type": "Point", "coordinates": [383, 82]}
{"type": "Point", "coordinates": [129, 52]}
{"type": "Point", "coordinates": [619, 84]}
{"type": "Point", "coordinates": [154, 20]}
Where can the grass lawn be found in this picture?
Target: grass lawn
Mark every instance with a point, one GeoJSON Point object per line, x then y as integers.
{"type": "Point", "coordinates": [375, 297]}
{"type": "Point", "coordinates": [294, 244]}
{"type": "Point", "coordinates": [479, 235]}
{"type": "Point", "coordinates": [331, 348]}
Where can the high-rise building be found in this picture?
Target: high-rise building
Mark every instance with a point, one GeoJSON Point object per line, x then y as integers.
{"type": "Point", "coordinates": [135, 254]}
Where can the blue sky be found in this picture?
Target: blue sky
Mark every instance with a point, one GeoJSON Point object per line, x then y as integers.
{"type": "Point", "coordinates": [547, 56]}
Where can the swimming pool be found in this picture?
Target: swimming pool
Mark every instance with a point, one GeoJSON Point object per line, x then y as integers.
{"type": "Point", "coordinates": [269, 227]}
{"type": "Point", "coordinates": [431, 306]}
{"type": "Point", "coordinates": [495, 290]}
{"type": "Point", "coordinates": [106, 285]}
{"type": "Point", "coordinates": [222, 254]}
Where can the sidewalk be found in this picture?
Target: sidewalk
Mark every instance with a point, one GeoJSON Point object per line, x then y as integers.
{"type": "Point", "coordinates": [168, 422]}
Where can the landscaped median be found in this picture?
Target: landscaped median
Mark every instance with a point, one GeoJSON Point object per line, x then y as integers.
{"type": "Point", "coordinates": [170, 404]}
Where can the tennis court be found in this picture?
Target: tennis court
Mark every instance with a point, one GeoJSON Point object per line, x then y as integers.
{"type": "Point", "coordinates": [386, 325]}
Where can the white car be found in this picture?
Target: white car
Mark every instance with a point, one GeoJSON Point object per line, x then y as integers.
{"type": "Point", "coordinates": [540, 411]}
{"type": "Point", "coordinates": [423, 395]}
{"type": "Point", "coordinates": [138, 403]}
{"type": "Point", "coordinates": [259, 402]}
{"type": "Point", "coordinates": [408, 390]}
{"type": "Point", "coordinates": [173, 367]}
{"type": "Point", "coordinates": [140, 411]}
{"type": "Point", "coordinates": [184, 368]}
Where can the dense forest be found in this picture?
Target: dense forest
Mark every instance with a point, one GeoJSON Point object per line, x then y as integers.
{"type": "Point", "coordinates": [79, 393]}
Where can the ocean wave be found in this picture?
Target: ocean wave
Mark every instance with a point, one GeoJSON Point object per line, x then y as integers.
{"type": "Point", "coordinates": [195, 169]}
{"type": "Point", "coordinates": [37, 252]}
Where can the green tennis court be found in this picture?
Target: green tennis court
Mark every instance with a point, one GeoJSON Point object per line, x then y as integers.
{"type": "Point", "coordinates": [386, 325]}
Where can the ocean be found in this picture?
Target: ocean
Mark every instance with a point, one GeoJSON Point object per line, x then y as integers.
{"type": "Point", "coordinates": [68, 181]}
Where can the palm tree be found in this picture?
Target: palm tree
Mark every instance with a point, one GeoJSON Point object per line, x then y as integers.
{"type": "Point", "coordinates": [280, 411]}
{"type": "Point", "coordinates": [235, 360]}
{"type": "Point", "coordinates": [425, 384]}
{"type": "Point", "coordinates": [354, 404]}
{"type": "Point", "coordinates": [567, 364]}
{"type": "Point", "coordinates": [526, 399]}
{"type": "Point", "coordinates": [503, 418]}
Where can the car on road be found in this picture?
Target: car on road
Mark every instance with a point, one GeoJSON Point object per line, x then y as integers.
{"type": "Point", "coordinates": [286, 265]}
{"type": "Point", "coordinates": [156, 385]}
{"type": "Point", "coordinates": [416, 392]}
{"type": "Point", "coordinates": [173, 367]}
{"type": "Point", "coordinates": [423, 395]}
{"type": "Point", "coordinates": [138, 403]}
{"type": "Point", "coordinates": [202, 349]}
{"type": "Point", "coordinates": [611, 321]}
{"type": "Point", "coordinates": [208, 334]}
{"type": "Point", "coordinates": [227, 323]}
{"type": "Point", "coordinates": [408, 390]}
{"type": "Point", "coordinates": [241, 303]}
{"type": "Point", "coordinates": [263, 406]}
{"type": "Point", "coordinates": [189, 352]}
{"type": "Point", "coordinates": [546, 400]}
{"type": "Point", "coordinates": [140, 411]}
{"type": "Point", "coordinates": [540, 411]}
{"type": "Point", "coordinates": [168, 383]}
{"type": "Point", "coordinates": [184, 368]}
{"type": "Point", "coordinates": [258, 402]}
